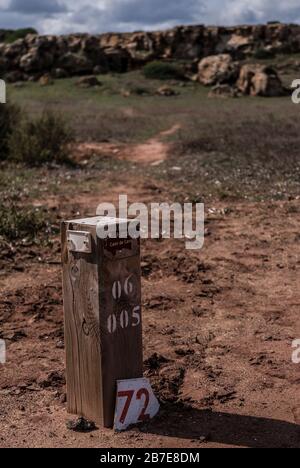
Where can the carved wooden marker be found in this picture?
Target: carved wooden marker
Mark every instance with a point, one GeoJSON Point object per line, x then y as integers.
{"type": "Point", "coordinates": [102, 309]}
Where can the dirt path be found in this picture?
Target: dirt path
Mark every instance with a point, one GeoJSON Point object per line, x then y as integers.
{"type": "Point", "coordinates": [153, 151]}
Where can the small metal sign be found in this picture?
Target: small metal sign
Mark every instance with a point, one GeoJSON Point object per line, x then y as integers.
{"type": "Point", "coordinates": [79, 241]}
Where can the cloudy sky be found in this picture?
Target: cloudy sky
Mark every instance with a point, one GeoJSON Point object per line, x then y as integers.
{"type": "Point", "coordinates": [96, 16]}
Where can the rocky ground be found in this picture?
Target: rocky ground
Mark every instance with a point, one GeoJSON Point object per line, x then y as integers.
{"type": "Point", "coordinates": [218, 323]}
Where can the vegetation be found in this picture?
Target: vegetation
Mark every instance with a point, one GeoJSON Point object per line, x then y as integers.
{"type": "Point", "coordinates": [12, 36]}
{"type": "Point", "coordinates": [42, 140]}
{"type": "Point", "coordinates": [264, 54]}
{"type": "Point", "coordinates": [9, 119]}
{"type": "Point", "coordinates": [20, 222]}
{"type": "Point", "coordinates": [221, 146]}
{"type": "Point", "coordinates": [163, 71]}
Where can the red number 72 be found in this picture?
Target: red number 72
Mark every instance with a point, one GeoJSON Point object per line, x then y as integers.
{"type": "Point", "coordinates": [128, 394]}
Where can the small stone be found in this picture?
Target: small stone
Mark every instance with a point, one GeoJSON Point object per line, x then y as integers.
{"type": "Point", "coordinates": [81, 425]}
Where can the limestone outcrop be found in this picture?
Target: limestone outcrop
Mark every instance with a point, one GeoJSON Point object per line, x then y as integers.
{"type": "Point", "coordinates": [78, 54]}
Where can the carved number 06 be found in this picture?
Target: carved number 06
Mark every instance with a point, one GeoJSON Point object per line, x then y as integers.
{"type": "Point", "coordinates": [117, 288]}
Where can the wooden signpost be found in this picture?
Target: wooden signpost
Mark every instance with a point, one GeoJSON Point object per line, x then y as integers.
{"type": "Point", "coordinates": [103, 323]}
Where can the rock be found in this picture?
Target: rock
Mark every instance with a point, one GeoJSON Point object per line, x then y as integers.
{"type": "Point", "coordinates": [125, 93]}
{"type": "Point", "coordinates": [3, 64]}
{"type": "Point", "coordinates": [46, 80]}
{"type": "Point", "coordinates": [54, 380]}
{"type": "Point", "coordinates": [60, 73]}
{"type": "Point", "coordinates": [81, 425]}
{"type": "Point", "coordinates": [88, 82]}
{"type": "Point", "coordinates": [223, 91]}
{"type": "Point", "coordinates": [16, 336]}
{"type": "Point", "coordinates": [14, 76]}
{"type": "Point", "coordinates": [238, 42]}
{"type": "Point", "coordinates": [36, 61]}
{"type": "Point", "coordinates": [33, 78]}
{"type": "Point", "coordinates": [99, 70]}
{"type": "Point", "coordinates": [218, 69]}
{"type": "Point", "coordinates": [155, 361]}
{"type": "Point", "coordinates": [117, 59]}
{"type": "Point", "coordinates": [260, 80]}
{"type": "Point", "coordinates": [12, 52]}
{"type": "Point", "coordinates": [166, 91]}
{"type": "Point", "coordinates": [75, 63]}
{"type": "Point", "coordinates": [85, 53]}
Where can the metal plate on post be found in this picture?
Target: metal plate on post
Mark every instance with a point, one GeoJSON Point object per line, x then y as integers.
{"type": "Point", "coordinates": [79, 241]}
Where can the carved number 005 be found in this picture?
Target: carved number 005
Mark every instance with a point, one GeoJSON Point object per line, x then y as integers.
{"type": "Point", "coordinates": [124, 319]}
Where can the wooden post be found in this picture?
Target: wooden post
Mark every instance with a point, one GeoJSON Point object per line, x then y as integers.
{"type": "Point", "coordinates": [102, 310]}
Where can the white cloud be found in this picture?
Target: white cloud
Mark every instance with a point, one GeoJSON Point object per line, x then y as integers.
{"type": "Point", "coordinates": [61, 16]}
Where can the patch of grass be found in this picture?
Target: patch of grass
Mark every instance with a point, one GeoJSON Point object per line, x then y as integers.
{"type": "Point", "coordinates": [104, 113]}
{"type": "Point", "coordinates": [242, 158]}
{"type": "Point", "coordinates": [42, 140]}
{"type": "Point", "coordinates": [140, 91]}
{"type": "Point", "coordinates": [163, 71]}
{"type": "Point", "coordinates": [17, 222]}
{"type": "Point", "coordinates": [245, 147]}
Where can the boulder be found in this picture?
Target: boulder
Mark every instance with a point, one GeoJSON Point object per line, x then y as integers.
{"type": "Point", "coordinates": [46, 80]}
{"type": "Point", "coordinates": [60, 73]}
{"type": "Point", "coordinates": [35, 61]}
{"type": "Point", "coordinates": [166, 91]}
{"type": "Point", "coordinates": [14, 76]}
{"type": "Point", "coordinates": [100, 70]}
{"type": "Point", "coordinates": [15, 49]}
{"type": "Point", "coordinates": [3, 64]}
{"type": "Point", "coordinates": [237, 42]}
{"type": "Point", "coordinates": [75, 63]}
{"type": "Point", "coordinates": [88, 82]}
{"type": "Point", "coordinates": [260, 80]}
{"type": "Point", "coordinates": [116, 59]}
{"type": "Point", "coordinates": [223, 91]}
{"type": "Point", "coordinates": [218, 69]}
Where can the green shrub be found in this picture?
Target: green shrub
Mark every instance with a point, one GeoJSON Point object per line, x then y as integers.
{"type": "Point", "coordinates": [263, 54]}
{"type": "Point", "coordinates": [19, 222]}
{"type": "Point", "coordinates": [140, 91]}
{"type": "Point", "coordinates": [9, 119]}
{"type": "Point", "coordinates": [12, 36]}
{"type": "Point", "coordinates": [162, 71]}
{"type": "Point", "coordinates": [43, 140]}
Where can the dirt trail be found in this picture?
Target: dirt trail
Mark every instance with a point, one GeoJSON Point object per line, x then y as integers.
{"type": "Point", "coordinates": [153, 151]}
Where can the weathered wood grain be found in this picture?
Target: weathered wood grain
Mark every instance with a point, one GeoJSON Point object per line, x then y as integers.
{"type": "Point", "coordinates": [103, 332]}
